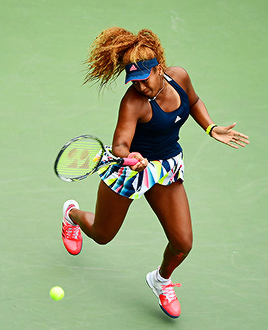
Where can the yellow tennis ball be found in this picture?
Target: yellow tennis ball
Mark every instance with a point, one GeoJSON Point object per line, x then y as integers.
{"type": "Point", "coordinates": [56, 293]}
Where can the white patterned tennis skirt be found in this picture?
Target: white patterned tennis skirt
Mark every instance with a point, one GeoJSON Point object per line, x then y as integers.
{"type": "Point", "coordinates": [133, 184]}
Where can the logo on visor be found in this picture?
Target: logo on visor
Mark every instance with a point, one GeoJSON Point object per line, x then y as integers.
{"type": "Point", "coordinates": [133, 68]}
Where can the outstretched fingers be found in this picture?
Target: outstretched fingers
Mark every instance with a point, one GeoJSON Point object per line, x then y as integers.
{"type": "Point", "coordinates": [239, 138]}
{"type": "Point", "coordinates": [229, 136]}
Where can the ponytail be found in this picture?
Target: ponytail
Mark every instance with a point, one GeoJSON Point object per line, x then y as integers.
{"type": "Point", "coordinates": [116, 47]}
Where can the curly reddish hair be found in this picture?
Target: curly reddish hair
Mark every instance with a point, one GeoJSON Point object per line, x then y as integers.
{"type": "Point", "coordinates": [116, 47]}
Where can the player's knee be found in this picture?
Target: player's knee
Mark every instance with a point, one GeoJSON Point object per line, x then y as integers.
{"type": "Point", "coordinates": [187, 247]}
{"type": "Point", "coordinates": [183, 247]}
{"type": "Point", "coordinates": [102, 238]}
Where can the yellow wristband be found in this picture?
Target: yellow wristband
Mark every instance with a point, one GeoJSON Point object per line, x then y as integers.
{"type": "Point", "coordinates": [210, 128]}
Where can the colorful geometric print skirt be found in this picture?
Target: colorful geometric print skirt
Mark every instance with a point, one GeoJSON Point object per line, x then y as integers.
{"type": "Point", "coordinates": [133, 184]}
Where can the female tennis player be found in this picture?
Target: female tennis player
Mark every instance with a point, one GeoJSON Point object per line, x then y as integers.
{"type": "Point", "coordinates": [152, 111]}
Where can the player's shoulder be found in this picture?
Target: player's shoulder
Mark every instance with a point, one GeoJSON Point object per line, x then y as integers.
{"type": "Point", "coordinates": [133, 98]}
{"type": "Point", "coordinates": [177, 73]}
{"type": "Point", "coordinates": [180, 76]}
{"type": "Point", "coordinates": [133, 102]}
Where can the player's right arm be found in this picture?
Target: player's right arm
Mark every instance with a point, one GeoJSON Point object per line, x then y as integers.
{"type": "Point", "coordinates": [132, 109]}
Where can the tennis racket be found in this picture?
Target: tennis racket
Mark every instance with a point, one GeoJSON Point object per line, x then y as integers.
{"type": "Point", "coordinates": [83, 156]}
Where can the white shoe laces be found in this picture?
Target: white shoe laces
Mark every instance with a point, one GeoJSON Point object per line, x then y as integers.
{"type": "Point", "coordinates": [168, 291]}
{"type": "Point", "coordinates": [72, 232]}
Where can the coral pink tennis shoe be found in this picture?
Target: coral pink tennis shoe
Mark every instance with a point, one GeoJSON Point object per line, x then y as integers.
{"type": "Point", "coordinates": [71, 233]}
{"type": "Point", "coordinates": [168, 301]}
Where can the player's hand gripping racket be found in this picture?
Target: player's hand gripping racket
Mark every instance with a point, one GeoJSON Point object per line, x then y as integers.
{"type": "Point", "coordinates": [83, 156]}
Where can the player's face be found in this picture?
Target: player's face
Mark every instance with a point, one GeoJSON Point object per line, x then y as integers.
{"type": "Point", "coordinates": [150, 86]}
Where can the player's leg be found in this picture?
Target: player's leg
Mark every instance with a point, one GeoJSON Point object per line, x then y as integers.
{"type": "Point", "coordinates": [171, 207]}
{"type": "Point", "coordinates": [110, 212]}
{"type": "Point", "coordinates": [102, 226]}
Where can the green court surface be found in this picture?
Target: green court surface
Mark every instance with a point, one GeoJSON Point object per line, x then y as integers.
{"type": "Point", "coordinates": [223, 46]}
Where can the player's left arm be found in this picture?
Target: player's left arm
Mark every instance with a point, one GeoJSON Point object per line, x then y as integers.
{"type": "Point", "coordinates": [198, 111]}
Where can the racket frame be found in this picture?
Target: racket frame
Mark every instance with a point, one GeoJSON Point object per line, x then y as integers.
{"type": "Point", "coordinates": [117, 160]}
{"type": "Point", "coordinates": [66, 145]}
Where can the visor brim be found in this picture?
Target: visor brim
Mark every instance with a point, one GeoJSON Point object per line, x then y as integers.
{"type": "Point", "coordinates": [138, 76]}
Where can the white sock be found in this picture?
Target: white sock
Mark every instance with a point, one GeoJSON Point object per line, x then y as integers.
{"type": "Point", "coordinates": [162, 279]}
{"type": "Point", "coordinates": [69, 220]}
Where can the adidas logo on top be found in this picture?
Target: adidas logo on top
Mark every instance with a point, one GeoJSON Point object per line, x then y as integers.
{"type": "Point", "coordinates": [133, 68]}
{"type": "Point", "coordinates": [177, 119]}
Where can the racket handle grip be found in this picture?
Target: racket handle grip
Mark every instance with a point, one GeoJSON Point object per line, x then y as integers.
{"type": "Point", "coordinates": [130, 161]}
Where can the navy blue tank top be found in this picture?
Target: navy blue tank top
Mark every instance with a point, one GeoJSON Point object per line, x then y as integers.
{"type": "Point", "coordinates": [158, 138]}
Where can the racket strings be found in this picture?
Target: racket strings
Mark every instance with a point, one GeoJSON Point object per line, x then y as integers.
{"type": "Point", "coordinates": [79, 158]}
